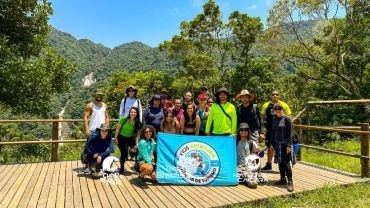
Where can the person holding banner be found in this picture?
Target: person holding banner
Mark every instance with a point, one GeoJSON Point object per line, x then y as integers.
{"type": "Point", "coordinates": [170, 123]}
{"type": "Point", "coordinates": [222, 119]}
{"type": "Point", "coordinates": [190, 122]}
{"type": "Point", "coordinates": [146, 147]}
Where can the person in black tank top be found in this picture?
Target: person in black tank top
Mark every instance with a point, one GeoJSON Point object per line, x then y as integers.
{"type": "Point", "coordinates": [190, 122]}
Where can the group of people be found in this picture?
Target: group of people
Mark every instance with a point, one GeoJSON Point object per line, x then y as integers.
{"type": "Point", "coordinates": [136, 130]}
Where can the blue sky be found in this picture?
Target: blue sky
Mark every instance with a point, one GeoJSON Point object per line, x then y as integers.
{"type": "Point", "coordinates": [115, 22]}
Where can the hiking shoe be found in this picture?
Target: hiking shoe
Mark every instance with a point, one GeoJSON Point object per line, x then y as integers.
{"type": "Point", "coordinates": [268, 167]}
{"type": "Point", "coordinates": [121, 171]}
{"type": "Point", "coordinates": [141, 179]}
{"type": "Point", "coordinates": [281, 182]}
{"type": "Point", "coordinates": [252, 184]}
{"type": "Point", "coordinates": [290, 186]}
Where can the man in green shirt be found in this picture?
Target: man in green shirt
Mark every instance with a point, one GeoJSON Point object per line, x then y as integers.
{"type": "Point", "coordinates": [222, 116]}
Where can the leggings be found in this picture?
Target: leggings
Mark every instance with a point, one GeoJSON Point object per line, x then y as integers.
{"type": "Point", "coordinates": [123, 144]}
{"type": "Point", "coordinates": [285, 170]}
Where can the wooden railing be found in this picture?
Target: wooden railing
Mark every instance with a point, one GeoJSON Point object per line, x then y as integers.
{"type": "Point", "coordinates": [364, 133]}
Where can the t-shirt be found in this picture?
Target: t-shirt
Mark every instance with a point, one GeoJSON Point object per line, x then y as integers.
{"type": "Point", "coordinates": [243, 150]}
{"type": "Point", "coordinates": [128, 128]}
{"type": "Point", "coordinates": [221, 123]}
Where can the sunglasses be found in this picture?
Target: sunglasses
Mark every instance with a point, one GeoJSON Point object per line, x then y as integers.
{"type": "Point", "coordinates": [244, 129]}
{"type": "Point", "coordinates": [275, 94]}
{"type": "Point", "coordinates": [278, 108]}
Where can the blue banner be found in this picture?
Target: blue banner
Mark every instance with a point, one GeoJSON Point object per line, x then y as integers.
{"type": "Point", "coordinates": [196, 160]}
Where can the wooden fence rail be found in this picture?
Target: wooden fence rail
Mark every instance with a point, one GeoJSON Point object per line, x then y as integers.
{"type": "Point", "coordinates": [364, 133]}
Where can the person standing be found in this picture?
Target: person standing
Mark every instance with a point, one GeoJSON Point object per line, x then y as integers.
{"type": "Point", "coordinates": [154, 114]}
{"type": "Point", "coordinates": [267, 111]}
{"type": "Point", "coordinates": [222, 115]}
{"type": "Point", "coordinates": [130, 100]}
{"type": "Point", "coordinates": [202, 113]}
{"type": "Point", "coordinates": [282, 136]}
{"type": "Point", "coordinates": [188, 99]}
{"type": "Point", "coordinates": [127, 129]}
{"type": "Point", "coordinates": [190, 122]}
{"type": "Point", "coordinates": [170, 123]}
{"type": "Point", "coordinates": [178, 112]}
{"type": "Point", "coordinates": [97, 112]}
{"type": "Point", "coordinates": [166, 103]}
{"type": "Point", "coordinates": [249, 113]}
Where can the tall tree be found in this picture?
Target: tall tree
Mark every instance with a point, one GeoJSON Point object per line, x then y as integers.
{"type": "Point", "coordinates": [336, 52]}
{"type": "Point", "coordinates": [207, 38]}
{"type": "Point", "coordinates": [30, 72]}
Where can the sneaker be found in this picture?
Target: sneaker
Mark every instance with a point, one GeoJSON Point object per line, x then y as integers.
{"type": "Point", "coordinates": [87, 170]}
{"type": "Point", "coordinates": [252, 184]}
{"type": "Point", "coordinates": [121, 171]}
{"type": "Point", "coordinates": [141, 179]}
{"type": "Point", "coordinates": [290, 186]}
{"type": "Point", "coordinates": [268, 167]}
{"type": "Point", "coordinates": [280, 182]}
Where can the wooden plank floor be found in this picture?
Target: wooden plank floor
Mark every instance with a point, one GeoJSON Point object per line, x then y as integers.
{"type": "Point", "coordinates": [63, 184]}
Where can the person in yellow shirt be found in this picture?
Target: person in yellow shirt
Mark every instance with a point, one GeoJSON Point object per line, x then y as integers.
{"type": "Point", "coordinates": [222, 115]}
{"type": "Point", "coordinates": [267, 111]}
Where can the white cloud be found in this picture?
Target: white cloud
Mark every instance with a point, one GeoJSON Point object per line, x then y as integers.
{"type": "Point", "coordinates": [268, 2]}
{"type": "Point", "coordinates": [252, 7]}
{"type": "Point", "coordinates": [197, 3]}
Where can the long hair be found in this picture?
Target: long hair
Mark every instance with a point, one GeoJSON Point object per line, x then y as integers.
{"type": "Point", "coordinates": [186, 115]}
{"type": "Point", "coordinates": [137, 119]}
{"type": "Point", "coordinates": [238, 137]}
{"type": "Point", "coordinates": [152, 129]}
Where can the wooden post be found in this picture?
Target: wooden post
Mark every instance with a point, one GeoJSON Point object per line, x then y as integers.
{"type": "Point", "coordinates": [365, 151]}
{"type": "Point", "coordinates": [299, 156]}
{"type": "Point", "coordinates": [55, 136]}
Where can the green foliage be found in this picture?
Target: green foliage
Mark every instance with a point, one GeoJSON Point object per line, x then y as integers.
{"type": "Point", "coordinates": [209, 49]}
{"type": "Point", "coordinates": [148, 83]}
{"type": "Point", "coordinates": [70, 151]}
{"type": "Point", "coordinates": [336, 161]}
{"type": "Point", "coordinates": [337, 55]}
{"type": "Point", "coordinates": [29, 71]}
{"type": "Point", "coordinates": [353, 195]}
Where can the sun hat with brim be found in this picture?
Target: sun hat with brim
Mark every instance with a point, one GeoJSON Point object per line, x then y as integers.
{"type": "Point", "coordinates": [243, 126]}
{"type": "Point", "coordinates": [222, 89]}
{"type": "Point", "coordinates": [131, 87]}
{"type": "Point", "coordinates": [99, 92]}
{"type": "Point", "coordinates": [245, 92]}
{"type": "Point", "coordinates": [104, 126]}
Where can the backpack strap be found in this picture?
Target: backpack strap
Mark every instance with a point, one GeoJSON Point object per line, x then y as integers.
{"type": "Point", "coordinates": [224, 111]}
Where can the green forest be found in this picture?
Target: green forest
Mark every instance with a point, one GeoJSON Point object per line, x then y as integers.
{"type": "Point", "coordinates": [306, 50]}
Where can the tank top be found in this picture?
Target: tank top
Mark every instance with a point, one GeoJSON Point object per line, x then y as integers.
{"type": "Point", "coordinates": [97, 116]}
{"type": "Point", "coordinates": [190, 124]}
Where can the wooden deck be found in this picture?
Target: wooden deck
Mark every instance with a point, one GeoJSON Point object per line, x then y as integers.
{"type": "Point", "coordinates": [61, 184]}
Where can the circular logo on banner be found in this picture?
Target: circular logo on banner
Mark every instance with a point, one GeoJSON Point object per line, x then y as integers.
{"type": "Point", "coordinates": [197, 163]}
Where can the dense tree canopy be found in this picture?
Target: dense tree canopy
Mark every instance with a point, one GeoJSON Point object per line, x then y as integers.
{"type": "Point", "coordinates": [337, 56]}
{"type": "Point", "coordinates": [29, 71]}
